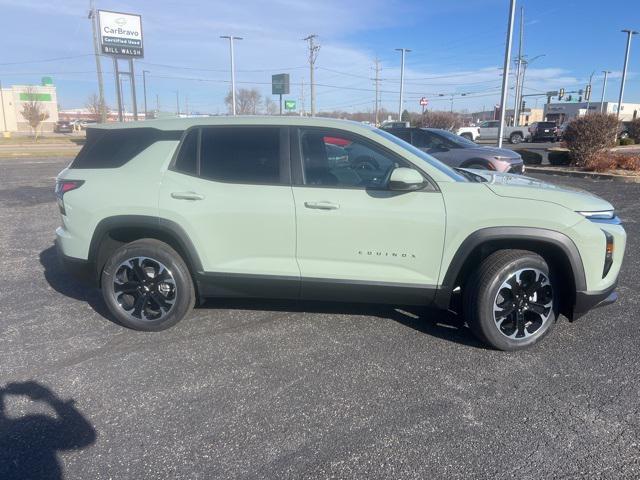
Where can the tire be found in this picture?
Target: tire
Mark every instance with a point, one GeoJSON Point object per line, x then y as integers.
{"type": "Point", "coordinates": [491, 291]}
{"type": "Point", "coordinates": [516, 138]}
{"type": "Point", "coordinates": [147, 286]}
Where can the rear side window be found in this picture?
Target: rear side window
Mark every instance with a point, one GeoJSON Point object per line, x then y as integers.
{"type": "Point", "coordinates": [241, 155]}
{"type": "Point", "coordinates": [187, 160]}
{"type": "Point", "coordinates": [112, 148]}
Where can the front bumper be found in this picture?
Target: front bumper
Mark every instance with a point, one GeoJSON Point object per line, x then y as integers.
{"type": "Point", "coordinates": [586, 301]}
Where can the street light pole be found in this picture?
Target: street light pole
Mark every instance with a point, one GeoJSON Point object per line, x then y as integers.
{"type": "Point", "coordinates": [516, 106]}
{"type": "Point", "coordinates": [630, 33]}
{"type": "Point", "coordinates": [505, 71]}
{"type": "Point", "coordinates": [604, 88]}
{"type": "Point", "coordinates": [144, 92]}
{"type": "Point", "coordinates": [402, 51]}
{"type": "Point", "coordinates": [233, 71]}
{"type": "Point", "coordinates": [589, 97]}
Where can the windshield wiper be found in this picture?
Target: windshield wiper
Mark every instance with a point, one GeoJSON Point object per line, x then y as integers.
{"type": "Point", "coordinates": [471, 176]}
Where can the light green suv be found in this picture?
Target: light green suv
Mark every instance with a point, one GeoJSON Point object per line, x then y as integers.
{"type": "Point", "coordinates": [163, 213]}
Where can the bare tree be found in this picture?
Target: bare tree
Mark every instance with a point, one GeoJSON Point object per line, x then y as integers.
{"type": "Point", "coordinates": [445, 120]}
{"type": "Point", "coordinates": [270, 107]}
{"type": "Point", "coordinates": [96, 107]}
{"type": "Point", "coordinates": [33, 111]}
{"type": "Point", "coordinates": [247, 101]}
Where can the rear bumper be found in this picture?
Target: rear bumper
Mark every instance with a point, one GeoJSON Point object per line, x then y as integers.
{"type": "Point", "coordinates": [81, 269]}
{"type": "Point", "coordinates": [586, 301]}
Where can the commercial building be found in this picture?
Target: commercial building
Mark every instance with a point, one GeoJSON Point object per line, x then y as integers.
{"type": "Point", "coordinates": [561, 112]}
{"type": "Point", "coordinates": [13, 99]}
{"type": "Point", "coordinates": [527, 116]}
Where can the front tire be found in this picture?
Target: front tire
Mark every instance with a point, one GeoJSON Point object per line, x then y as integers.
{"type": "Point", "coordinates": [147, 286]}
{"type": "Point", "coordinates": [516, 138]}
{"type": "Point", "coordinates": [511, 301]}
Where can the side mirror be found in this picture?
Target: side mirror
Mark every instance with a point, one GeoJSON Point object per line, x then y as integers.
{"type": "Point", "coordinates": [405, 180]}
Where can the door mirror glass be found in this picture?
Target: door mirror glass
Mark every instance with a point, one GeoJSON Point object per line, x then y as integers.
{"type": "Point", "coordinates": [405, 179]}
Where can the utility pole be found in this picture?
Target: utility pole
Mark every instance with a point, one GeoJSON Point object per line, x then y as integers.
{"type": "Point", "coordinates": [451, 103]}
{"type": "Point", "coordinates": [186, 105]}
{"type": "Point", "coordinates": [604, 88]}
{"type": "Point", "coordinates": [377, 82]}
{"type": "Point", "coordinates": [302, 112]}
{"type": "Point", "coordinates": [233, 71]}
{"type": "Point", "coordinates": [144, 92]}
{"type": "Point", "coordinates": [157, 102]}
{"type": "Point", "coordinates": [134, 100]}
{"type": "Point", "coordinates": [518, 91]}
{"type": "Point", "coordinates": [630, 33]}
{"type": "Point", "coordinates": [93, 16]}
{"type": "Point", "coordinates": [588, 92]}
{"type": "Point", "coordinates": [116, 71]}
{"type": "Point", "coordinates": [177, 103]}
{"type": "Point", "coordinates": [402, 51]}
{"type": "Point", "coordinates": [505, 71]}
{"type": "Point", "coordinates": [313, 55]}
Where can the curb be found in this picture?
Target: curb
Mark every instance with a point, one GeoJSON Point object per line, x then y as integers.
{"type": "Point", "coordinates": [581, 174]}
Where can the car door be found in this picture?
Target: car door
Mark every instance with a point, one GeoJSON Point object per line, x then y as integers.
{"type": "Point", "coordinates": [229, 189]}
{"type": "Point", "coordinates": [489, 130]}
{"type": "Point", "coordinates": [356, 239]}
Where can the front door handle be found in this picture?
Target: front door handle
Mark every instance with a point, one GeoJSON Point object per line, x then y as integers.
{"type": "Point", "coordinates": [187, 196]}
{"type": "Point", "coordinates": [322, 205]}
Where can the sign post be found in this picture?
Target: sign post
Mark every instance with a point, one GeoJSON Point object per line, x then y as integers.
{"type": "Point", "coordinates": [120, 37]}
{"type": "Point", "coordinates": [280, 86]}
{"type": "Point", "coordinates": [423, 103]}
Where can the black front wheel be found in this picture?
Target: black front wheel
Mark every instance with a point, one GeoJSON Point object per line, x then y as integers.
{"type": "Point", "coordinates": [147, 286]}
{"type": "Point", "coordinates": [510, 302]}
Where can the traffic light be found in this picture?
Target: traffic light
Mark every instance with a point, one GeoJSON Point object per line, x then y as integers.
{"type": "Point", "coordinates": [587, 93]}
{"type": "Point", "coordinates": [561, 94]}
{"type": "Point", "coordinates": [523, 106]}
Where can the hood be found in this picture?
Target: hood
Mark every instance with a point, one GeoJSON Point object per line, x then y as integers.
{"type": "Point", "coordinates": [505, 153]}
{"type": "Point", "coordinates": [518, 186]}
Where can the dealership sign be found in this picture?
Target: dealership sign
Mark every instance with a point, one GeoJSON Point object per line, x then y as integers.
{"type": "Point", "coordinates": [120, 34]}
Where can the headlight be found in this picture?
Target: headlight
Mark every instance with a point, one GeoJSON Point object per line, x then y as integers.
{"type": "Point", "coordinates": [599, 215]}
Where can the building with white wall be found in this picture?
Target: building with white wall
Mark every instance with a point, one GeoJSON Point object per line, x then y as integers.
{"type": "Point", "coordinates": [561, 112]}
{"type": "Point", "coordinates": [13, 98]}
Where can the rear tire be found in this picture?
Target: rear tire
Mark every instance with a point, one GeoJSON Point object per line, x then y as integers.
{"type": "Point", "coordinates": [510, 302]}
{"type": "Point", "coordinates": [147, 286]}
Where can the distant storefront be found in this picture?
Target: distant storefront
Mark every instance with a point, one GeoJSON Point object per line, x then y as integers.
{"type": "Point", "coordinates": [13, 99]}
{"type": "Point", "coordinates": [561, 112]}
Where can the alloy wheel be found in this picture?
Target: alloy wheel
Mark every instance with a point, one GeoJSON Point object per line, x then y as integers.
{"type": "Point", "coordinates": [144, 288]}
{"type": "Point", "coordinates": [523, 304]}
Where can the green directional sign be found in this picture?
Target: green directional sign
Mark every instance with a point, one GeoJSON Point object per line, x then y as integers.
{"type": "Point", "coordinates": [289, 104]}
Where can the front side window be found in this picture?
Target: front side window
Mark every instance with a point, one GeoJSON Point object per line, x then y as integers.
{"type": "Point", "coordinates": [241, 155]}
{"type": "Point", "coordinates": [338, 160]}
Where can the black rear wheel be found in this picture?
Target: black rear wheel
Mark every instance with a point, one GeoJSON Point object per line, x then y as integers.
{"type": "Point", "coordinates": [147, 286]}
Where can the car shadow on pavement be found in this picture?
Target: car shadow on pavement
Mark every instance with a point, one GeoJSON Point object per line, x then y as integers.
{"type": "Point", "coordinates": [61, 281]}
{"type": "Point", "coordinates": [446, 325]}
{"type": "Point", "coordinates": [441, 324]}
{"type": "Point", "coordinates": [29, 444]}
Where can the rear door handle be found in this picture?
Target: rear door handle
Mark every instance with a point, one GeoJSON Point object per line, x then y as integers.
{"type": "Point", "coordinates": [322, 205]}
{"type": "Point", "coordinates": [187, 196]}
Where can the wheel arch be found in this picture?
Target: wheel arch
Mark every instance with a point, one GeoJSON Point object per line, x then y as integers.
{"type": "Point", "coordinates": [112, 232]}
{"type": "Point", "coordinates": [555, 247]}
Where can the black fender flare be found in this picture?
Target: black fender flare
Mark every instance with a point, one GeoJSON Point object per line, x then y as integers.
{"type": "Point", "coordinates": [163, 226]}
{"type": "Point", "coordinates": [485, 235]}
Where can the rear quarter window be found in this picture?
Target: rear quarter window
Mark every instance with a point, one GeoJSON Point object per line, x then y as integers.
{"type": "Point", "coordinates": [112, 148]}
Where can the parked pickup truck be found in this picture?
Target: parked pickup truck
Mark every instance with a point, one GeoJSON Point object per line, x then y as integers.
{"type": "Point", "coordinates": [489, 131]}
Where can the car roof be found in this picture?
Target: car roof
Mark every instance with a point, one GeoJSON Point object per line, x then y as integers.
{"type": "Point", "coordinates": [252, 120]}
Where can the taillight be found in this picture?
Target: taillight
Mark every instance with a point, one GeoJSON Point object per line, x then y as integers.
{"type": "Point", "coordinates": [64, 186]}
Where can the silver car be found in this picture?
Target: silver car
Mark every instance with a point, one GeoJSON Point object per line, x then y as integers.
{"type": "Point", "coordinates": [457, 151]}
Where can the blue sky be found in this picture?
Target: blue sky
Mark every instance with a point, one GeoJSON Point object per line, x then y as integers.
{"type": "Point", "coordinates": [457, 47]}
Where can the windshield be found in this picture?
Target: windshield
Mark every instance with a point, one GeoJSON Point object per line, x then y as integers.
{"type": "Point", "coordinates": [435, 163]}
{"type": "Point", "coordinates": [452, 138]}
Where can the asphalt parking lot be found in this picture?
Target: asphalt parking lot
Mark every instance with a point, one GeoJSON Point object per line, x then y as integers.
{"type": "Point", "coordinates": [256, 389]}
